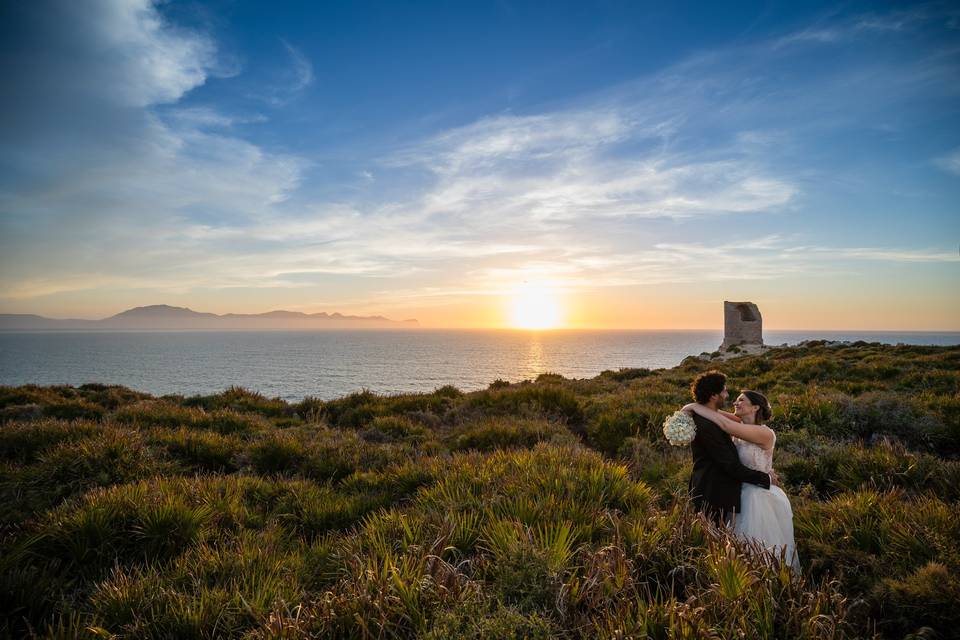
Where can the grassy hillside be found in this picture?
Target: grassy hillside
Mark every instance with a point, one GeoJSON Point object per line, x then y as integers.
{"type": "Point", "coordinates": [551, 508]}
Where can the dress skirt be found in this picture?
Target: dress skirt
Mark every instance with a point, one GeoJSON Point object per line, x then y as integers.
{"type": "Point", "coordinates": [766, 516]}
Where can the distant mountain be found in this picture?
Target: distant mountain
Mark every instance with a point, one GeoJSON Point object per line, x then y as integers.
{"type": "Point", "coordinates": [164, 317]}
{"type": "Point", "coordinates": [25, 321]}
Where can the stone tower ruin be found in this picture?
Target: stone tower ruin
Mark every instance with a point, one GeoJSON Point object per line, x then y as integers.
{"type": "Point", "coordinates": [742, 325]}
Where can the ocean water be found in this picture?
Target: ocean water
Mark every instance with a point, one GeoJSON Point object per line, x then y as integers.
{"type": "Point", "coordinates": [330, 364]}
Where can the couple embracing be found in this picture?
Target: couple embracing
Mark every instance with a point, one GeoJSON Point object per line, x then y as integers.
{"type": "Point", "coordinates": [733, 481]}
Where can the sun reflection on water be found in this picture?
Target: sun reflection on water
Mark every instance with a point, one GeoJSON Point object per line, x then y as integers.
{"type": "Point", "coordinates": [535, 356]}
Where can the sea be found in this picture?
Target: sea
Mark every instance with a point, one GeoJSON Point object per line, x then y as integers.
{"type": "Point", "coordinates": [333, 363]}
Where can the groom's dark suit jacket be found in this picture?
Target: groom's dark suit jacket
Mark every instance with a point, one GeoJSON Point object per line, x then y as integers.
{"type": "Point", "coordinates": [718, 472]}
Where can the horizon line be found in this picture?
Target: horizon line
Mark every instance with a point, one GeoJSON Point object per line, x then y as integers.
{"type": "Point", "coordinates": [458, 328]}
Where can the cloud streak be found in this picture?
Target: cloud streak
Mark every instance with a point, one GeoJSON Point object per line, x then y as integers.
{"type": "Point", "coordinates": [302, 69]}
{"type": "Point", "coordinates": [292, 80]}
{"type": "Point", "coordinates": [950, 162]}
{"type": "Point", "coordinates": [577, 165]}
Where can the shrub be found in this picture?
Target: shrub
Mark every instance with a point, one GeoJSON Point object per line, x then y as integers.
{"type": "Point", "coordinates": [110, 397]}
{"type": "Point", "coordinates": [849, 467]}
{"type": "Point", "coordinates": [319, 454]}
{"type": "Point", "coordinates": [658, 464]}
{"type": "Point", "coordinates": [207, 591]}
{"type": "Point", "coordinates": [879, 413]}
{"type": "Point", "coordinates": [21, 413]}
{"type": "Point", "coordinates": [549, 378]}
{"type": "Point", "coordinates": [476, 621]}
{"type": "Point", "coordinates": [198, 450]}
{"type": "Point", "coordinates": [115, 456]}
{"type": "Point", "coordinates": [608, 433]}
{"type": "Point", "coordinates": [278, 453]}
{"type": "Point", "coordinates": [22, 443]}
{"type": "Point", "coordinates": [230, 422]}
{"type": "Point", "coordinates": [394, 429]}
{"type": "Point", "coordinates": [880, 545]}
{"type": "Point", "coordinates": [241, 400]}
{"type": "Point", "coordinates": [812, 410]}
{"type": "Point", "coordinates": [545, 485]}
{"type": "Point", "coordinates": [72, 467]}
{"type": "Point", "coordinates": [925, 597]}
{"type": "Point", "coordinates": [28, 394]}
{"type": "Point", "coordinates": [625, 375]}
{"type": "Point", "coordinates": [310, 409]}
{"type": "Point", "coordinates": [127, 522]}
{"type": "Point", "coordinates": [549, 401]}
{"type": "Point", "coordinates": [157, 413]}
{"type": "Point", "coordinates": [162, 413]}
{"type": "Point", "coordinates": [504, 433]}
{"type": "Point", "coordinates": [526, 564]}
{"type": "Point", "coordinates": [75, 410]}
{"type": "Point", "coordinates": [448, 391]}
{"type": "Point", "coordinates": [352, 411]}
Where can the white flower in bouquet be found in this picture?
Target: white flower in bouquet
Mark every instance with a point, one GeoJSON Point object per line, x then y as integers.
{"type": "Point", "coordinates": [679, 429]}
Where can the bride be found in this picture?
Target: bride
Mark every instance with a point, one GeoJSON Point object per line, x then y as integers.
{"type": "Point", "coordinates": [765, 515]}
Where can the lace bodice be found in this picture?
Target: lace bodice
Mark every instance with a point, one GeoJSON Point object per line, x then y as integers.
{"type": "Point", "coordinates": [754, 456]}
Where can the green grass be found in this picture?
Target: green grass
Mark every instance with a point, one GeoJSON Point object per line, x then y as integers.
{"type": "Point", "coordinates": [545, 509]}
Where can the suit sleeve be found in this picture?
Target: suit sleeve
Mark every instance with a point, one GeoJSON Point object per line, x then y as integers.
{"type": "Point", "coordinates": [725, 456]}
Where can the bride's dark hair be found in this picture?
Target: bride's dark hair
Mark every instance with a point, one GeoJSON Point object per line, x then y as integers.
{"type": "Point", "coordinates": [759, 400]}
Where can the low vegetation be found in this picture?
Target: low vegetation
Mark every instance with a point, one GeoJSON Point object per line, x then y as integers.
{"type": "Point", "coordinates": [545, 509]}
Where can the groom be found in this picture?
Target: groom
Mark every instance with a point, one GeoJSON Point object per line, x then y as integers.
{"type": "Point", "coordinates": [717, 471]}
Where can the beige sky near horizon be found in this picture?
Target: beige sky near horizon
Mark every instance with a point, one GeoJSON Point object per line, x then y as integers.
{"type": "Point", "coordinates": [862, 303]}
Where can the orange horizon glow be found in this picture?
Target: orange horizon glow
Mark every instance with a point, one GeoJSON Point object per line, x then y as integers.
{"type": "Point", "coordinates": [550, 304]}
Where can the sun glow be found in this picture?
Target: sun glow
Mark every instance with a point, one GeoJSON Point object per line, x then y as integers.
{"type": "Point", "coordinates": [534, 307]}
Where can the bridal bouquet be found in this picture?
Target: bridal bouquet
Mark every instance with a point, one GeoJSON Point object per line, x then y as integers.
{"type": "Point", "coordinates": [679, 429]}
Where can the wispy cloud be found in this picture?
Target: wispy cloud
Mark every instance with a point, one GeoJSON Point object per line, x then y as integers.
{"type": "Point", "coordinates": [200, 117]}
{"type": "Point", "coordinates": [605, 161]}
{"type": "Point", "coordinates": [291, 80]}
{"type": "Point", "coordinates": [302, 68]}
{"type": "Point", "coordinates": [809, 35]}
{"type": "Point", "coordinates": [891, 254]}
{"type": "Point", "coordinates": [154, 63]}
{"type": "Point", "coordinates": [763, 259]}
{"type": "Point", "coordinates": [949, 162]}
{"type": "Point", "coordinates": [845, 29]}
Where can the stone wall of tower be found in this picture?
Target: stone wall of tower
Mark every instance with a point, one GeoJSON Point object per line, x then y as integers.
{"type": "Point", "coordinates": [742, 324]}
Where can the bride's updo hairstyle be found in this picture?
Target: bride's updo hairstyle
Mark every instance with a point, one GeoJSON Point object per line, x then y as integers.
{"type": "Point", "coordinates": [764, 412]}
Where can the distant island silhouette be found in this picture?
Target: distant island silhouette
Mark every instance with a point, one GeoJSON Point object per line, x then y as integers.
{"type": "Point", "coordinates": [165, 317]}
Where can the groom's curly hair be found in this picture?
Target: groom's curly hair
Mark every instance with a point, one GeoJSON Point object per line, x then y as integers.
{"type": "Point", "coordinates": [706, 385]}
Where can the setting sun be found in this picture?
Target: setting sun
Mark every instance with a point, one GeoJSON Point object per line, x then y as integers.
{"type": "Point", "coordinates": [534, 307]}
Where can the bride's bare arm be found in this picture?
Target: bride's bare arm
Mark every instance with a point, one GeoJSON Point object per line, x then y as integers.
{"type": "Point", "coordinates": [732, 416]}
{"type": "Point", "coordinates": [758, 434]}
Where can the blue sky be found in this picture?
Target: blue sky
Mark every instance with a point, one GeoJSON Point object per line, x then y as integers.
{"type": "Point", "coordinates": [639, 162]}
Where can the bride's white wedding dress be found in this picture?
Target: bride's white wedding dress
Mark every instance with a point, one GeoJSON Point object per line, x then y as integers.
{"type": "Point", "coordinates": [765, 514]}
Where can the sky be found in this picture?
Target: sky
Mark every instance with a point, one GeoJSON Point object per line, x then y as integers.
{"type": "Point", "coordinates": [617, 164]}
